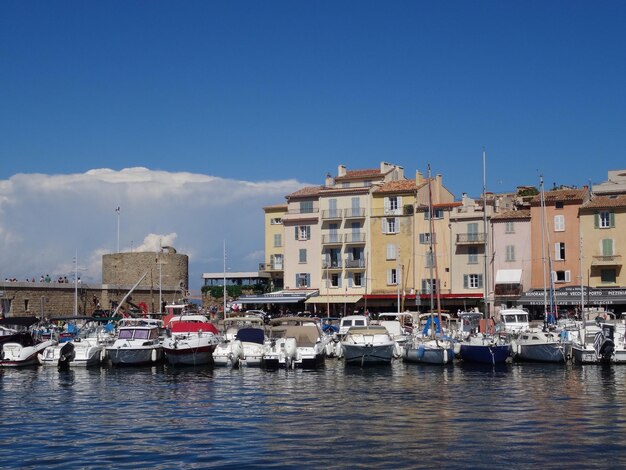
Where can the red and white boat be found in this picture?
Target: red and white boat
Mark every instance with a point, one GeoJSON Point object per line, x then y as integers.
{"type": "Point", "coordinates": [190, 340]}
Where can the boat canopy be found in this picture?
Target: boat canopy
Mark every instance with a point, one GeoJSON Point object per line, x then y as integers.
{"type": "Point", "coordinates": [251, 335]}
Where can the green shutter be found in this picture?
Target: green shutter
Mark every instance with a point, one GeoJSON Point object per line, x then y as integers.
{"type": "Point", "coordinates": [465, 281]}
{"type": "Point", "coordinates": [596, 220]}
{"type": "Point", "coordinates": [612, 219]}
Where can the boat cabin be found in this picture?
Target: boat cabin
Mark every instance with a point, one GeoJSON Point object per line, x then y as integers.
{"type": "Point", "coordinates": [514, 320]}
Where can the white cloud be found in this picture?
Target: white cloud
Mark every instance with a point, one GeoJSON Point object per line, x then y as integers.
{"type": "Point", "coordinates": [46, 219]}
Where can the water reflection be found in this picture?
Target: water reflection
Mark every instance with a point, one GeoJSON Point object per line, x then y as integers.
{"type": "Point", "coordinates": [403, 415]}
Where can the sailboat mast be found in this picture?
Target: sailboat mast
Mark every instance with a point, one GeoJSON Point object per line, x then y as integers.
{"type": "Point", "coordinates": [486, 277]}
{"type": "Point", "coordinates": [433, 257]}
{"type": "Point", "coordinates": [543, 248]}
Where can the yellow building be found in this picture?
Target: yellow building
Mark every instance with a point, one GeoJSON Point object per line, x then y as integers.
{"type": "Point", "coordinates": [274, 243]}
{"type": "Point", "coordinates": [602, 228]}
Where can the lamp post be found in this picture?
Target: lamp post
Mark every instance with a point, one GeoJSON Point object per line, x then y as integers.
{"type": "Point", "coordinates": [118, 228]}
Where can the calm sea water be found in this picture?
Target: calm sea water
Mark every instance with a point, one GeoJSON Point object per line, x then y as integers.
{"type": "Point", "coordinates": [403, 416]}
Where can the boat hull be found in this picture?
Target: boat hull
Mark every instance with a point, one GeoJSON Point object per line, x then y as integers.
{"type": "Point", "coordinates": [135, 356]}
{"type": "Point", "coordinates": [428, 354]}
{"type": "Point", "coordinates": [543, 352]}
{"type": "Point", "coordinates": [363, 354]}
{"type": "Point", "coordinates": [191, 356]}
{"type": "Point", "coordinates": [484, 354]}
{"type": "Point", "coordinates": [16, 355]}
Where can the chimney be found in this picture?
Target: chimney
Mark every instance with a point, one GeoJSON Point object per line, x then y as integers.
{"type": "Point", "coordinates": [330, 181]}
{"type": "Point", "coordinates": [419, 178]}
{"type": "Point", "coordinates": [341, 170]}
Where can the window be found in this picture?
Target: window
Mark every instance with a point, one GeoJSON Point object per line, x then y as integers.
{"type": "Point", "coordinates": [306, 207]}
{"type": "Point", "coordinates": [390, 225]}
{"type": "Point", "coordinates": [391, 251]}
{"type": "Point", "coordinates": [426, 237]}
{"type": "Point", "coordinates": [472, 281]}
{"type": "Point", "coordinates": [510, 253]}
{"type": "Point", "coordinates": [26, 305]}
{"type": "Point", "coordinates": [559, 251]}
{"type": "Point", "coordinates": [559, 223]}
{"type": "Point", "coordinates": [558, 205]}
{"type": "Point", "coordinates": [509, 227]}
{"type": "Point", "coordinates": [335, 280]}
{"type": "Point", "coordinates": [392, 277]}
{"type": "Point", "coordinates": [607, 247]}
{"type": "Point", "coordinates": [332, 208]}
{"type": "Point", "coordinates": [356, 207]}
{"type": "Point", "coordinates": [302, 255]}
{"type": "Point", "coordinates": [472, 255]}
{"type": "Point", "coordinates": [276, 261]}
{"type": "Point", "coordinates": [357, 279]}
{"type": "Point", "coordinates": [608, 276]}
{"type": "Point", "coordinates": [561, 276]}
{"type": "Point", "coordinates": [472, 232]}
{"type": "Point", "coordinates": [303, 280]}
{"type": "Point", "coordinates": [426, 285]}
{"type": "Point", "coordinates": [605, 219]}
{"type": "Point", "coordinates": [303, 232]}
{"type": "Point", "coordinates": [437, 213]}
{"type": "Point", "coordinates": [278, 240]}
{"type": "Point", "coordinates": [276, 221]}
{"type": "Point", "coordinates": [430, 259]}
{"type": "Point", "coordinates": [393, 204]}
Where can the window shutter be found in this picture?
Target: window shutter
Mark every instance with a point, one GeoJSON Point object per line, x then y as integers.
{"type": "Point", "coordinates": [480, 280]}
{"type": "Point", "coordinates": [465, 281]}
{"type": "Point", "coordinates": [611, 219]}
{"type": "Point", "coordinates": [339, 281]}
{"type": "Point", "coordinates": [297, 229]}
{"type": "Point", "coordinates": [308, 232]}
{"type": "Point", "coordinates": [596, 220]}
{"type": "Point", "coordinates": [399, 202]}
{"type": "Point", "coordinates": [384, 225]}
{"type": "Point", "coordinates": [557, 251]}
{"type": "Point", "coordinates": [308, 279]}
{"type": "Point", "coordinates": [568, 276]}
{"type": "Point", "coordinates": [553, 276]}
{"type": "Point", "coordinates": [350, 279]}
{"type": "Point", "coordinates": [396, 225]}
{"type": "Point", "coordinates": [297, 280]}
{"type": "Point", "coordinates": [607, 247]}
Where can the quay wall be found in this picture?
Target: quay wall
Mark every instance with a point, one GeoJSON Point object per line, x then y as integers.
{"type": "Point", "coordinates": [46, 300]}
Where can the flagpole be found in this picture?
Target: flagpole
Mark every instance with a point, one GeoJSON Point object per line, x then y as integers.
{"type": "Point", "coordinates": [118, 228]}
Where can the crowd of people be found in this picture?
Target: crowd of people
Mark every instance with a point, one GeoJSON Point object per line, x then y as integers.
{"type": "Point", "coordinates": [45, 279]}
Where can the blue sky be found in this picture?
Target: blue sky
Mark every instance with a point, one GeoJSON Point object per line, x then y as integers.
{"type": "Point", "coordinates": [281, 91]}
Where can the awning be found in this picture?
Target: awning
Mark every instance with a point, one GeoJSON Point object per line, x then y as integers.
{"type": "Point", "coordinates": [509, 276]}
{"type": "Point", "coordinates": [573, 296]}
{"type": "Point", "coordinates": [334, 299]}
{"type": "Point", "coordinates": [275, 298]}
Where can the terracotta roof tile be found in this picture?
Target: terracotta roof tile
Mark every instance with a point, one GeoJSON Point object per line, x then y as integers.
{"type": "Point", "coordinates": [606, 202]}
{"type": "Point", "coordinates": [510, 215]}
{"type": "Point", "coordinates": [561, 195]}
{"type": "Point", "coordinates": [396, 186]}
{"type": "Point", "coordinates": [360, 174]}
{"type": "Point", "coordinates": [306, 191]}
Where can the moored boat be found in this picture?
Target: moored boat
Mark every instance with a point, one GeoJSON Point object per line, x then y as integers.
{"type": "Point", "coordinates": [138, 342]}
{"type": "Point", "coordinates": [191, 340]}
{"type": "Point", "coordinates": [366, 345]}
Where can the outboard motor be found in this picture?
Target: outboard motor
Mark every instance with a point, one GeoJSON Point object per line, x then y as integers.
{"type": "Point", "coordinates": [604, 342]}
{"type": "Point", "coordinates": [66, 355]}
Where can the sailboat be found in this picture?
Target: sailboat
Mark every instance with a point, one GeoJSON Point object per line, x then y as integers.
{"type": "Point", "coordinates": [430, 346]}
{"type": "Point", "coordinates": [542, 344]}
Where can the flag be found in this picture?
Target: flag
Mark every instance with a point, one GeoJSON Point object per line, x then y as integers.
{"type": "Point", "coordinates": [118, 209]}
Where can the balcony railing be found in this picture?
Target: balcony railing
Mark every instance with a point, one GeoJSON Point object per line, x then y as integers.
{"type": "Point", "coordinates": [331, 264]}
{"type": "Point", "coordinates": [331, 214]}
{"type": "Point", "coordinates": [355, 237]}
{"type": "Point", "coordinates": [354, 212]}
{"type": "Point", "coordinates": [607, 260]}
{"type": "Point", "coordinates": [270, 266]}
{"type": "Point", "coordinates": [471, 238]}
{"type": "Point", "coordinates": [355, 263]}
{"type": "Point", "coordinates": [332, 238]}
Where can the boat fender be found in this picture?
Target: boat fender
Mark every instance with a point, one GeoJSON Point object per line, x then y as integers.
{"type": "Point", "coordinates": [445, 356]}
{"type": "Point", "coordinates": [154, 355]}
{"type": "Point", "coordinates": [420, 351]}
{"type": "Point", "coordinates": [103, 355]}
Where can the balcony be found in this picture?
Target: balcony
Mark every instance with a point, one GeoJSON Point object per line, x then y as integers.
{"type": "Point", "coordinates": [331, 214]}
{"type": "Point", "coordinates": [354, 213]}
{"type": "Point", "coordinates": [332, 239]}
{"type": "Point", "coordinates": [470, 239]}
{"type": "Point", "coordinates": [355, 237]}
{"type": "Point", "coordinates": [355, 263]}
{"type": "Point", "coordinates": [270, 267]}
{"type": "Point", "coordinates": [331, 264]}
{"type": "Point", "coordinates": [607, 260]}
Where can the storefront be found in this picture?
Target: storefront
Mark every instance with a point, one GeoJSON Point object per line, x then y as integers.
{"type": "Point", "coordinates": [571, 299]}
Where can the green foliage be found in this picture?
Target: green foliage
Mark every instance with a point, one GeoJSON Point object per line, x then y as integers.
{"type": "Point", "coordinates": [217, 292]}
{"type": "Point", "coordinates": [528, 192]}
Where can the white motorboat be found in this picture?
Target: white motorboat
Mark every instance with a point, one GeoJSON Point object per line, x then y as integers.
{"type": "Point", "coordinates": [540, 346]}
{"type": "Point", "coordinates": [138, 342]}
{"type": "Point", "coordinates": [368, 345]}
{"type": "Point", "coordinates": [191, 340]}
{"type": "Point", "coordinates": [349, 321]}
{"type": "Point", "coordinates": [245, 348]}
{"type": "Point", "coordinates": [600, 339]}
{"type": "Point", "coordinates": [86, 349]}
{"type": "Point", "coordinates": [399, 326]}
{"type": "Point", "coordinates": [514, 320]}
{"type": "Point", "coordinates": [22, 350]}
{"type": "Point", "coordinates": [309, 339]}
{"type": "Point", "coordinates": [280, 350]}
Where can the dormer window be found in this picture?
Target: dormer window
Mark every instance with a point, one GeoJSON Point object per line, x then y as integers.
{"type": "Point", "coordinates": [559, 205]}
